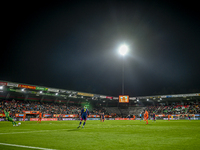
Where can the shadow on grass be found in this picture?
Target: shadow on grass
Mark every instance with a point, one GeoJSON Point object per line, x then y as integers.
{"type": "Point", "coordinates": [73, 130]}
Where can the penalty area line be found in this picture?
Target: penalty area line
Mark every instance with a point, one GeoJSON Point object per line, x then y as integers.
{"type": "Point", "coordinates": [15, 145]}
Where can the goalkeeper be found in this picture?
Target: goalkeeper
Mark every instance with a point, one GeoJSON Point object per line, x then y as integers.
{"type": "Point", "coordinates": [9, 118]}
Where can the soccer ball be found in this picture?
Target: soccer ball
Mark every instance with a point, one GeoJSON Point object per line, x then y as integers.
{"type": "Point", "coordinates": [19, 123]}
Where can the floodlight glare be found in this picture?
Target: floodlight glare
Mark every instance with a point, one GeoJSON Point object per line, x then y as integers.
{"type": "Point", "coordinates": [40, 91]}
{"type": "Point", "coordinates": [123, 49]}
{"type": "Point", "coordinates": [1, 87]}
{"type": "Point", "coordinates": [22, 89]}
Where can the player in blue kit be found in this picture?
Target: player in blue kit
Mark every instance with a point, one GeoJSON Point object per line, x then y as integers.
{"type": "Point", "coordinates": [189, 117]}
{"type": "Point", "coordinates": [102, 117]}
{"type": "Point", "coordinates": [84, 114]}
{"type": "Point", "coordinates": [154, 117]}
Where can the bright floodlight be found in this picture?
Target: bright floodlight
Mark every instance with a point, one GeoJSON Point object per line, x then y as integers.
{"type": "Point", "coordinates": [123, 49]}
{"type": "Point", "coordinates": [1, 87]}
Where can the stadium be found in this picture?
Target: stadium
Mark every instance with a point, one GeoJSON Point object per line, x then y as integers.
{"type": "Point", "coordinates": [100, 75]}
{"type": "Point", "coordinates": [122, 129]}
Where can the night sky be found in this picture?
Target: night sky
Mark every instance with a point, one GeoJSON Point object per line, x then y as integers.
{"type": "Point", "coordinates": [74, 45]}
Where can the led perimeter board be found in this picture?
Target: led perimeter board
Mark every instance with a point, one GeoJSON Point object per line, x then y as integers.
{"type": "Point", "coordinates": [123, 99]}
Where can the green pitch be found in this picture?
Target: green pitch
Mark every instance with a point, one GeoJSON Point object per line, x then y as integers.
{"type": "Point", "coordinates": [111, 135]}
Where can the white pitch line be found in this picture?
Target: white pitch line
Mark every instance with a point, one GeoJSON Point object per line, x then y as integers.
{"type": "Point", "coordinates": [25, 146]}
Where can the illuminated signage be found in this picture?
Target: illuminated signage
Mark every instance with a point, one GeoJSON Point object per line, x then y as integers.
{"type": "Point", "coordinates": [123, 98]}
{"type": "Point", "coordinates": [27, 86]}
{"type": "Point", "coordinates": [85, 94]}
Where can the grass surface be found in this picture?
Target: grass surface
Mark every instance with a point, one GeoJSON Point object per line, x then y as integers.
{"type": "Point", "coordinates": [112, 134]}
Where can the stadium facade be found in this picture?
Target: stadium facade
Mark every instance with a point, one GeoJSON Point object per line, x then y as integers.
{"type": "Point", "coordinates": [25, 92]}
{"type": "Point", "coordinates": [21, 91]}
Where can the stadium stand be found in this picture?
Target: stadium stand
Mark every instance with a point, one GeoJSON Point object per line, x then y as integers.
{"type": "Point", "coordinates": [19, 97]}
{"type": "Point", "coordinates": [113, 110]}
{"type": "Point", "coordinates": [44, 107]}
{"type": "Point", "coordinates": [57, 108]}
{"type": "Point", "coordinates": [175, 109]}
{"type": "Point", "coordinates": [136, 110]}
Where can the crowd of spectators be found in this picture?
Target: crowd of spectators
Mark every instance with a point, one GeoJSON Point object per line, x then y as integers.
{"type": "Point", "coordinates": [44, 107]}
{"type": "Point", "coordinates": [187, 108]}
{"type": "Point", "coordinates": [62, 108]}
